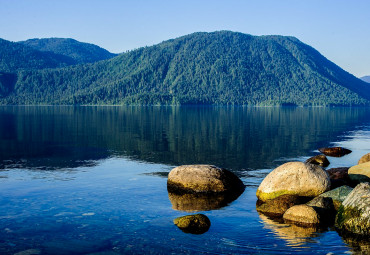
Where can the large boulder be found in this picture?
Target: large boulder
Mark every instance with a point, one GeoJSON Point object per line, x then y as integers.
{"type": "Point", "coordinates": [203, 179]}
{"type": "Point", "coordinates": [320, 160]}
{"type": "Point", "coordinates": [338, 195]}
{"type": "Point", "coordinates": [335, 151]}
{"type": "Point", "coordinates": [365, 158]}
{"type": "Point", "coordinates": [302, 215]}
{"type": "Point", "coordinates": [193, 224]}
{"type": "Point", "coordinates": [354, 214]}
{"type": "Point", "coordinates": [294, 178]}
{"type": "Point", "coordinates": [360, 173]}
{"type": "Point", "coordinates": [277, 207]}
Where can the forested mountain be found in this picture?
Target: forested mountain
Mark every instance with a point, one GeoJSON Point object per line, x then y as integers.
{"type": "Point", "coordinates": [15, 56]}
{"type": "Point", "coordinates": [80, 52]}
{"type": "Point", "coordinates": [366, 78]}
{"type": "Point", "coordinates": [219, 68]}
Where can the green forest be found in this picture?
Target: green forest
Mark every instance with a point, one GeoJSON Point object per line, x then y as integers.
{"type": "Point", "coordinates": [218, 68]}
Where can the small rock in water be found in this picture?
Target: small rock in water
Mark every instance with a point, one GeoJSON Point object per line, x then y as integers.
{"type": "Point", "coordinates": [303, 215]}
{"type": "Point", "coordinates": [320, 160]}
{"type": "Point", "coordinates": [193, 224]}
{"type": "Point", "coordinates": [335, 151]}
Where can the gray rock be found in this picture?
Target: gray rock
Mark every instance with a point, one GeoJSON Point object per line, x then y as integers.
{"type": "Point", "coordinates": [338, 195]}
{"type": "Point", "coordinates": [294, 178]}
{"type": "Point", "coordinates": [202, 179]}
{"type": "Point", "coordinates": [354, 214]}
{"type": "Point", "coordinates": [302, 215]}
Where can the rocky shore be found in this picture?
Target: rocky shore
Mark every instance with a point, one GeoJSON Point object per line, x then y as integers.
{"type": "Point", "coordinates": [301, 194]}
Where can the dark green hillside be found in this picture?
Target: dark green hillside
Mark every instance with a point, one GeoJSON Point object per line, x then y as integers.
{"type": "Point", "coordinates": [223, 68]}
{"type": "Point", "coordinates": [78, 51]}
{"type": "Point", "coordinates": [15, 56]}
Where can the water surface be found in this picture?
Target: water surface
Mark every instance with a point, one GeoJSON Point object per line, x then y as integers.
{"type": "Point", "coordinates": [89, 180]}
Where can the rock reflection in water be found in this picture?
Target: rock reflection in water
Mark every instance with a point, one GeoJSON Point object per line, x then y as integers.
{"type": "Point", "coordinates": [201, 202]}
{"type": "Point", "coordinates": [359, 244]}
{"type": "Point", "coordinates": [294, 235]}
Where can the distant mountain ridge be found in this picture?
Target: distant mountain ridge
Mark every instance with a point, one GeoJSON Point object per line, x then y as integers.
{"type": "Point", "coordinates": [366, 78]}
{"type": "Point", "coordinates": [218, 68]}
{"type": "Point", "coordinates": [80, 52]}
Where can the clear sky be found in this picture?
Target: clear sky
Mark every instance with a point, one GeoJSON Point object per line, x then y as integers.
{"type": "Point", "coordinates": [339, 29]}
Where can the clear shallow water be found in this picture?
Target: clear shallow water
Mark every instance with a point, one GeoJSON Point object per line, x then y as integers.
{"type": "Point", "coordinates": [89, 180]}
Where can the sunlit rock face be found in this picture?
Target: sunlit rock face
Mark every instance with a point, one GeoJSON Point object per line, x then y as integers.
{"type": "Point", "coordinates": [202, 179]}
{"type": "Point", "coordinates": [294, 178]}
{"type": "Point", "coordinates": [354, 214]}
{"type": "Point", "coordinates": [360, 173]}
{"type": "Point", "coordinates": [365, 158]}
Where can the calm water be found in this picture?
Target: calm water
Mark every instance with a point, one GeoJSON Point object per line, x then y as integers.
{"type": "Point", "coordinates": [92, 180]}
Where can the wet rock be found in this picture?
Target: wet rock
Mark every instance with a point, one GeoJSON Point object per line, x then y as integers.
{"type": "Point", "coordinates": [294, 178]}
{"type": "Point", "coordinates": [202, 179]}
{"type": "Point", "coordinates": [365, 158]}
{"type": "Point", "coordinates": [335, 151]}
{"type": "Point", "coordinates": [320, 160]}
{"type": "Point", "coordinates": [200, 202]}
{"type": "Point", "coordinates": [339, 177]}
{"type": "Point", "coordinates": [193, 224]}
{"type": "Point", "coordinates": [302, 215]}
{"type": "Point", "coordinates": [338, 195]}
{"type": "Point", "coordinates": [278, 206]}
{"type": "Point", "coordinates": [324, 206]}
{"type": "Point", "coordinates": [360, 173]}
{"type": "Point", "coordinates": [354, 214]}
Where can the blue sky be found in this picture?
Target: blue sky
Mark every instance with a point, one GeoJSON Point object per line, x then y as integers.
{"type": "Point", "coordinates": [339, 29]}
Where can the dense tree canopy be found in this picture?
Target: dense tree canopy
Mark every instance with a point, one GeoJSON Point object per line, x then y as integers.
{"type": "Point", "coordinates": [220, 68]}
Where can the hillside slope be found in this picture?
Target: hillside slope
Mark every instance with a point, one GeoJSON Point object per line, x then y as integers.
{"type": "Point", "coordinates": [78, 51]}
{"type": "Point", "coordinates": [366, 78]}
{"type": "Point", "coordinates": [219, 68]}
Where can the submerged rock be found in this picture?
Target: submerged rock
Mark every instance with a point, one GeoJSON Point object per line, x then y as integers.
{"type": "Point", "coordinates": [193, 224]}
{"type": "Point", "coordinates": [320, 160]}
{"type": "Point", "coordinates": [338, 195]}
{"type": "Point", "coordinates": [335, 151]}
{"type": "Point", "coordinates": [294, 178]}
{"type": "Point", "coordinates": [354, 214]}
{"type": "Point", "coordinates": [200, 201]}
{"type": "Point", "coordinates": [302, 215]}
{"type": "Point", "coordinates": [277, 207]}
{"type": "Point", "coordinates": [360, 173]}
{"type": "Point", "coordinates": [203, 179]}
{"type": "Point", "coordinates": [365, 158]}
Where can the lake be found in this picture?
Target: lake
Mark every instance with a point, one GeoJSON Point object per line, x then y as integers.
{"type": "Point", "coordinates": [92, 180]}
